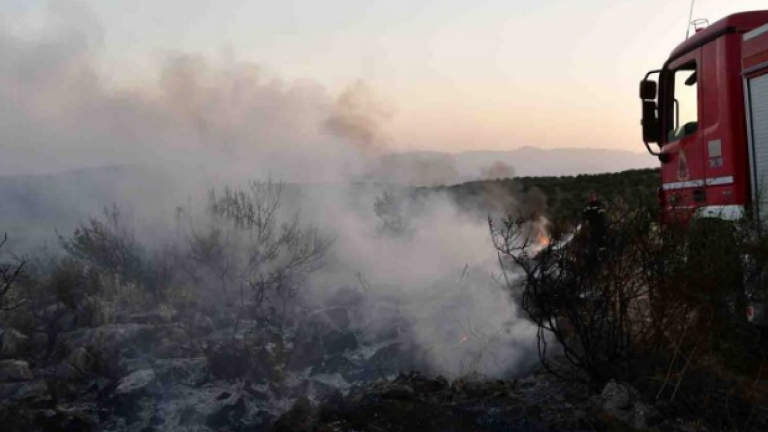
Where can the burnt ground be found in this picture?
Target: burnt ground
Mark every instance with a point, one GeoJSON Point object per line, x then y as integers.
{"type": "Point", "coordinates": [334, 369]}
{"type": "Point", "coordinates": [413, 402]}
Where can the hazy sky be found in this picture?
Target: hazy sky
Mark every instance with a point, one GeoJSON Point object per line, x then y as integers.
{"type": "Point", "coordinates": [457, 74]}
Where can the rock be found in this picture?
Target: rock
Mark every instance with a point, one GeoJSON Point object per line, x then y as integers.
{"type": "Point", "coordinates": [255, 394]}
{"type": "Point", "coordinates": [189, 371]}
{"type": "Point", "coordinates": [78, 364]}
{"type": "Point", "coordinates": [29, 391]}
{"type": "Point", "coordinates": [14, 370]}
{"type": "Point", "coordinates": [59, 316]}
{"type": "Point", "coordinates": [11, 342]}
{"type": "Point", "coordinates": [228, 415]}
{"type": "Point", "coordinates": [617, 396]}
{"type": "Point", "coordinates": [135, 382]}
{"type": "Point", "coordinates": [33, 391]}
{"type": "Point", "coordinates": [619, 403]}
{"type": "Point", "coordinates": [337, 342]}
{"type": "Point", "coordinates": [644, 416]}
{"type": "Point", "coordinates": [131, 399]}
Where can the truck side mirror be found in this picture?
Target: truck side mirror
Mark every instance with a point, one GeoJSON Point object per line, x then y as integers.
{"type": "Point", "coordinates": [648, 90]}
{"type": "Point", "coordinates": [650, 122]}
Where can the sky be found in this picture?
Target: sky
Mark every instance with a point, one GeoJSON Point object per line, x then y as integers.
{"type": "Point", "coordinates": [455, 75]}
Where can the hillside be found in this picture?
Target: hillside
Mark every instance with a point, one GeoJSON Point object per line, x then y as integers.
{"type": "Point", "coordinates": [34, 207]}
{"type": "Point", "coordinates": [530, 161]}
{"type": "Point", "coordinates": [559, 197]}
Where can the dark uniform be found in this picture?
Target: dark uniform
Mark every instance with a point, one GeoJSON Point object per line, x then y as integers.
{"type": "Point", "coordinates": [595, 229]}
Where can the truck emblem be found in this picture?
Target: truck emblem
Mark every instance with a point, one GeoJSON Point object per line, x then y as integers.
{"type": "Point", "coordinates": [682, 166]}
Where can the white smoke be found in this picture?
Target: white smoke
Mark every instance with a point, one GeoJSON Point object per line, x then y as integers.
{"type": "Point", "coordinates": [443, 269]}
{"type": "Point", "coordinates": [60, 112]}
{"type": "Point", "coordinates": [205, 124]}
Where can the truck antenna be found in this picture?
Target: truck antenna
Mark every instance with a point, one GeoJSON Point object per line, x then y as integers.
{"type": "Point", "coordinates": [690, 19]}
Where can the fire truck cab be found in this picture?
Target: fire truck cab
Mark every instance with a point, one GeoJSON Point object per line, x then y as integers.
{"type": "Point", "coordinates": [705, 116]}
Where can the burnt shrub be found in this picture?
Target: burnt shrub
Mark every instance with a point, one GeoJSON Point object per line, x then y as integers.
{"type": "Point", "coordinates": [254, 252]}
{"type": "Point", "coordinates": [662, 305]}
{"type": "Point", "coordinates": [107, 248]}
{"type": "Point", "coordinates": [11, 272]}
{"type": "Point", "coordinates": [72, 282]}
{"type": "Point", "coordinates": [653, 291]}
{"type": "Point", "coordinates": [106, 244]}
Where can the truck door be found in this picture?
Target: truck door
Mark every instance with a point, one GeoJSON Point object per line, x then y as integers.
{"type": "Point", "coordinates": [757, 131]}
{"type": "Point", "coordinates": [684, 171]}
{"type": "Point", "coordinates": [754, 61]}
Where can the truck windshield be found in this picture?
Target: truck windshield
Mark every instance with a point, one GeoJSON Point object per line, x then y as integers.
{"type": "Point", "coordinates": [685, 102]}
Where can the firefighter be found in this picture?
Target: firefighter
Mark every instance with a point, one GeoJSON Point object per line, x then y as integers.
{"type": "Point", "coordinates": [594, 222]}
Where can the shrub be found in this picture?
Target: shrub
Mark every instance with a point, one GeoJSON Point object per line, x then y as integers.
{"type": "Point", "coordinates": [659, 296]}
{"type": "Point", "coordinates": [106, 247]}
{"type": "Point", "coordinates": [254, 250]}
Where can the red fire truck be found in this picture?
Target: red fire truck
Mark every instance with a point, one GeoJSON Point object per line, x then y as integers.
{"type": "Point", "coordinates": [705, 115]}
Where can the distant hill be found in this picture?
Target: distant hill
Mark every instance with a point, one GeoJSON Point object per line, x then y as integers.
{"type": "Point", "coordinates": [537, 162]}
{"type": "Point", "coordinates": [438, 168]}
{"type": "Point", "coordinates": [561, 197]}
{"type": "Point", "coordinates": [34, 207]}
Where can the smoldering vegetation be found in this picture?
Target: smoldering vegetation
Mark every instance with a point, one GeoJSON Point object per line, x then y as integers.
{"type": "Point", "coordinates": [225, 263]}
{"type": "Point", "coordinates": [205, 295]}
{"type": "Point", "coordinates": [245, 302]}
{"type": "Point", "coordinates": [250, 311]}
{"type": "Point", "coordinates": [656, 311]}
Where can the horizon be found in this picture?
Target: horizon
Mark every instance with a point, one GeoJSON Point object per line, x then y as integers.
{"type": "Point", "coordinates": [466, 170]}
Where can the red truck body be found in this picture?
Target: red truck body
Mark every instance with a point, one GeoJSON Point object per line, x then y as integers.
{"type": "Point", "coordinates": [715, 164]}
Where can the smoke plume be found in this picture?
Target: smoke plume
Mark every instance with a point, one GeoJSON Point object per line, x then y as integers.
{"type": "Point", "coordinates": [204, 124]}
{"type": "Point", "coordinates": [359, 117]}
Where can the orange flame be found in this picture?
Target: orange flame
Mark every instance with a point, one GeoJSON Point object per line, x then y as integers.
{"type": "Point", "coordinates": [543, 239]}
